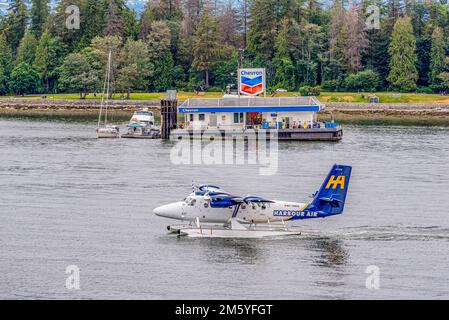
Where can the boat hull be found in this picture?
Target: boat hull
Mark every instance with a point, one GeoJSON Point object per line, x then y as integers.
{"type": "Point", "coordinates": [107, 133]}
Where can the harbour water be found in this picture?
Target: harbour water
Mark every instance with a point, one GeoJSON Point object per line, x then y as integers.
{"type": "Point", "coordinates": [67, 198]}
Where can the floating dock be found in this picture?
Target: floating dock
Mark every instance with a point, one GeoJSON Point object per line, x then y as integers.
{"type": "Point", "coordinates": [284, 118]}
{"type": "Point", "coordinates": [312, 134]}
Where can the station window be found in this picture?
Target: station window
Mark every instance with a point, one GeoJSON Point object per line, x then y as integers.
{"type": "Point", "coordinates": [238, 117]}
{"type": "Point", "coordinates": [201, 117]}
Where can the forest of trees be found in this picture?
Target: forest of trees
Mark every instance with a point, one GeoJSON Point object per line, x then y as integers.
{"type": "Point", "coordinates": [191, 44]}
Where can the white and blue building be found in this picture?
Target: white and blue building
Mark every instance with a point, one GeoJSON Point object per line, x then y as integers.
{"type": "Point", "coordinates": [294, 117]}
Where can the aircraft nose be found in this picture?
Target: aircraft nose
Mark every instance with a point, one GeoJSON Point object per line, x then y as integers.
{"type": "Point", "coordinates": [159, 211]}
{"type": "Point", "coordinates": [172, 211]}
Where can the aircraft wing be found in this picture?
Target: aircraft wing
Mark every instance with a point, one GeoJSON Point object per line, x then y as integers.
{"type": "Point", "coordinates": [208, 187]}
{"type": "Point", "coordinates": [224, 200]}
{"type": "Point", "coordinates": [254, 199]}
{"type": "Point", "coordinates": [202, 189]}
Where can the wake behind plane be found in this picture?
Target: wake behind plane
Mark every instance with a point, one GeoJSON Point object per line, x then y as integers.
{"type": "Point", "coordinates": [210, 211]}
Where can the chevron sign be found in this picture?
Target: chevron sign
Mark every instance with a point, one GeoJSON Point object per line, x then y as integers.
{"type": "Point", "coordinates": [252, 81]}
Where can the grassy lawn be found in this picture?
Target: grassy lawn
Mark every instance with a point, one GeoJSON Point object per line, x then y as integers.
{"type": "Point", "coordinates": [134, 96]}
{"type": "Point", "coordinates": [385, 97]}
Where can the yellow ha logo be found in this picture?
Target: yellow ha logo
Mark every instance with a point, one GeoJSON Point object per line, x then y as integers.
{"type": "Point", "coordinates": [339, 181]}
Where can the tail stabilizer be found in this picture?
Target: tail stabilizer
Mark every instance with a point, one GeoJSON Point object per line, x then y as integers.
{"type": "Point", "coordinates": [330, 198]}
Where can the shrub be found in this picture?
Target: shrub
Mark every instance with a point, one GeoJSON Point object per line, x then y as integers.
{"type": "Point", "coordinates": [437, 88]}
{"type": "Point", "coordinates": [310, 91]}
{"type": "Point", "coordinates": [214, 89]}
{"type": "Point", "coordinates": [424, 90]}
{"type": "Point", "coordinates": [24, 79]}
{"type": "Point", "coordinates": [330, 85]}
{"type": "Point", "coordinates": [367, 80]}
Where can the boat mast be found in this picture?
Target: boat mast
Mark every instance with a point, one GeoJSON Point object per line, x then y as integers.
{"type": "Point", "coordinates": [108, 86]}
{"type": "Point", "coordinates": [106, 81]}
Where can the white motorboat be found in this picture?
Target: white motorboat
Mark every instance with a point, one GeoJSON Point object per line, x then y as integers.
{"type": "Point", "coordinates": [142, 126]}
{"type": "Point", "coordinates": [144, 117]}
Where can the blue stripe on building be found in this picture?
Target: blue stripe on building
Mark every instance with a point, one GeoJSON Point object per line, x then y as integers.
{"type": "Point", "coordinates": [251, 109]}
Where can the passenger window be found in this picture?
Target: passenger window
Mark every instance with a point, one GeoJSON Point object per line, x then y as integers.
{"type": "Point", "coordinates": [201, 116]}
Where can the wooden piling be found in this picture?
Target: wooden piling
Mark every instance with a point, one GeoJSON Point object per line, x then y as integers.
{"type": "Point", "coordinates": [169, 117]}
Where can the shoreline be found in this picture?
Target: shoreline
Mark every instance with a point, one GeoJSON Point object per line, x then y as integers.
{"type": "Point", "coordinates": [86, 111]}
{"type": "Point", "coordinates": [385, 118]}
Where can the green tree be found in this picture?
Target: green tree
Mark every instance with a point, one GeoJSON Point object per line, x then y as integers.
{"type": "Point", "coordinates": [119, 20]}
{"type": "Point", "coordinates": [58, 25]}
{"type": "Point", "coordinates": [77, 75]}
{"type": "Point", "coordinates": [338, 39]}
{"type": "Point", "coordinates": [5, 64]}
{"type": "Point", "coordinates": [205, 45]}
{"type": "Point", "coordinates": [161, 59]}
{"type": "Point", "coordinates": [283, 65]}
{"type": "Point", "coordinates": [94, 20]}
{"type": "Point", "coordinates": [367, 80]}
{"type": "Point", "coordinates": [262, 30]}
{"type": "Point", "coordinates": [99, 56]}
{"type": "Point", "coordinates": [56, 50]}
{"type": "Point", "coordinates": [27, 49]}
{"type": "Point", "coordinates": [164, 74]}
{"type": "Point", "coordinates": [134, 67]}
{"type": "Point", "coordinates": [16, 23]}
{"type": "Point", "coordinates": [39, 16]}
{"type": "Point", "coordinates": [310, 44]}
{"type": "Point", "coordinates": [158, 40]}
{"type": "Point", "coordinates": [443, 77]}
{"type": "Point", "coordinates": [24, 79]}
{"type": "Point", "coordinates": [437, 56]}
{"type": "Point", "coordinates": [226, 70]}
{"type": "Point", "coordinates": [42, 60]}
{"type": "Point", "coordinates": [403, 73]}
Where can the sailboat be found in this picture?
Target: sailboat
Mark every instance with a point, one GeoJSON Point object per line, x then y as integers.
{"type": "Point", "coordinates": [106, 131]}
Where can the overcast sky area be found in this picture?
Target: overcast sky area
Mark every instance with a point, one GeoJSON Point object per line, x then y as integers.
{"type": "Point", "coordinates": [133, 4]}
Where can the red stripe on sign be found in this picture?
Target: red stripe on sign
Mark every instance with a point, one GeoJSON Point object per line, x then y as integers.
{"type": "Point", "coordinates": [252, 90]}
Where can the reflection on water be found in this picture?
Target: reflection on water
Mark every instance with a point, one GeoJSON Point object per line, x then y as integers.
{"type": "Point", "coordinates": [69, 198]}
{"type": "Point", "coordinates": [232, 251]}
{"type": "Point", "coordinates": [332, 253]}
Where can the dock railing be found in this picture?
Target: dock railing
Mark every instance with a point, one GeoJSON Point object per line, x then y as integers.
{"type": "Point", "coordinates": [245, 101]}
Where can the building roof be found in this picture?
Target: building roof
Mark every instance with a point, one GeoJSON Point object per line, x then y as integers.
{"type": "Point", "coordinates": [253, 104]}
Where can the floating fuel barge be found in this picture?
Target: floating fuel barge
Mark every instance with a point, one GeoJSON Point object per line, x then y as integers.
{"type": "Point", "coordinates": [245, 117]}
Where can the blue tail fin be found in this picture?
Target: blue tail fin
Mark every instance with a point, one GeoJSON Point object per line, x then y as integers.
{"type": "Point", "coordinates": [330, 199]}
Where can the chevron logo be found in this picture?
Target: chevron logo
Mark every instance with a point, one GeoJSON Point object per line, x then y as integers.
{"type": "Point", "coordinates": [252, 81]}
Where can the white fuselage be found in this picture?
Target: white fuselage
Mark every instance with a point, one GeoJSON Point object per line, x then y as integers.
{"type": "Point", "coordinates": [194, 207]}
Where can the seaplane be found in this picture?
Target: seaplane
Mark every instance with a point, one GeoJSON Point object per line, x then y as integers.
{"type": "Point", "coordinates": [210, 211]}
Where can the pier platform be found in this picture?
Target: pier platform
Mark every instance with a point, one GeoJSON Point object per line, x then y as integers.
{"type": "Point", "coordinates": [298, 134]}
